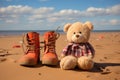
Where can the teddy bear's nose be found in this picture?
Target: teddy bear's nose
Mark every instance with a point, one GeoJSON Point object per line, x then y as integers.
{"type": "Point", "coordinates": [77, 36]}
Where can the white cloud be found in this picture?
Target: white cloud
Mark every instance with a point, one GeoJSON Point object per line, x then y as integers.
{"type": "Point", "coordinates": [44, 15]}
{"type": "Point", "coordinates": [37, 17]}
{"type": "Point", "coordinates": [114, 22]}
{"type": "Point", "coordinates": [41, 13]}
{"type": "Point", "coordinates": [93, 9]}
{"type": "Point", "coordinates": [104, 22]}
{"type": "Point", "coordinates": [69, 12]}
{"type": "Point", "coordinates": [65, 15]}
{"type": "Point", "coordinates": [114, 10]}
{"type": "Point", "coordinates": [49, 12]}
{"type": "Point", "coordinates": [43, 10]}
{"type": "Point", "coordinates": [9, 21]}
{"type": "Point", "coordinates": [19, 9]}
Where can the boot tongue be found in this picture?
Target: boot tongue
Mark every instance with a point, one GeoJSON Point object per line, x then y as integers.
{"type": "Point", "coordinates": [50, 42]}
{"type": "Point", "coordinates": [32, 42]}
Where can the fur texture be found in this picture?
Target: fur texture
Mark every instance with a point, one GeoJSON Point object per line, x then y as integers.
{"type": "Point", "coordinates": [85, 63]}
{"type": "Point", "coordinates": [69, 62]}
{"type": "Point", "coordinates": [80, 52]}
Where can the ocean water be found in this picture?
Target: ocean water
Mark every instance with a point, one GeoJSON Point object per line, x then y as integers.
{"type": "Point", "coordinates": [21, 32]}
{"type": "Point", "coordinates": [41, 32]}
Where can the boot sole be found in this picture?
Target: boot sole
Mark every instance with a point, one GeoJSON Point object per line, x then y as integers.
{"type": "Point", "coordinates": [50, 63]}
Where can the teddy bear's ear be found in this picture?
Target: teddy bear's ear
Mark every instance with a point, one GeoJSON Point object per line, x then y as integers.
{"type": "Point", "coordinates": [89, 24]}
{"type": "Point", "coordinates": [66, 27]}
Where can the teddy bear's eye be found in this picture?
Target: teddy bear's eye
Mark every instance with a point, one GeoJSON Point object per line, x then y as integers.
{"type": "Point", "coordinates": [74, 33]}
{"type": "Point", "coordinates": [80, 32]}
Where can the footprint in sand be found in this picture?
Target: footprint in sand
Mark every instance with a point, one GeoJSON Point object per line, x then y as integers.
{"type": "Point", "coordinates": [2, 59]}
{"type": "Point", "coordinates": [98, 46]}
{"type": "Point", "coordinates": [3, 54]}
{"type": "Point", "coordinates": [118, 52]}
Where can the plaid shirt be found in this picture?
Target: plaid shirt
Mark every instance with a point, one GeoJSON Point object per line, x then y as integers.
{"type": "Point", "coordinates": [77, 50]}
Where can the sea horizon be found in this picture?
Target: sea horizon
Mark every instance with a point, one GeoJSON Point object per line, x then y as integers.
{"type": "Point", "coordinates": [21, 32]}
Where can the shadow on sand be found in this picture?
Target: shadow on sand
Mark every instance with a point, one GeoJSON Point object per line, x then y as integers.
{"type": "Point", "coordinates": [98, 67]}
{"type": "Point", "coordinates": [41, 65]}
{"type": "Point", "coordinates": [101, 67]}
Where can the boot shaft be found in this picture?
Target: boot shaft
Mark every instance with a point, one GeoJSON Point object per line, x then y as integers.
{"type": "Point", "coordinates": [50, 41]}
{"type": "Point", "coordinates": [32, 42]}
{"type": "Point", "coordinates": [50, 57]}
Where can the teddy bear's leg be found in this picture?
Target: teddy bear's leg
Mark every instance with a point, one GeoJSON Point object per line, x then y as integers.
{"type": "Point", "coordinates": [68, 62]}
{"type": "Point", "coordinates": [85, 63]}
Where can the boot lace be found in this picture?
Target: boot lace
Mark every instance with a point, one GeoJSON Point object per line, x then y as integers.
{"type": "Point", "coordinates": [50, 43]}
{"type": "Point", "coordinates": [28, 43]}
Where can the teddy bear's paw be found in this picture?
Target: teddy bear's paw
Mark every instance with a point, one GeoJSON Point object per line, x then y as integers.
{"type": "Point", "coordinates": [85, 63]}
{"type": "Point", "coordinates": [90, 56]}
{"type": "Point", "coordinates": [62, 56]}
{"type": "Point", "coordinates": [68, 62]}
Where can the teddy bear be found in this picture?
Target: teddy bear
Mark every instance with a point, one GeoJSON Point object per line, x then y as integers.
{"type": "Point", "coordinates": [79, 52]}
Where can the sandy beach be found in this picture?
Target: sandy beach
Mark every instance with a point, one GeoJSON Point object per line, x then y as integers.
{"type": "Point", "coordinates": [107, 60]}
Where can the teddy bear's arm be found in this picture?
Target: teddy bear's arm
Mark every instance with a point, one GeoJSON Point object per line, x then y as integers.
{"type": "Point", "coordinates": [91, 51]}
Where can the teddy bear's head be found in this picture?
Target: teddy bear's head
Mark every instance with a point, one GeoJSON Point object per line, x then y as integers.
{"type": "Point", "coordinates": [78, 32]}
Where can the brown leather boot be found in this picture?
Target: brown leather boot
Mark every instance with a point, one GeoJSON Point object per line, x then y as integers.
{"type": "Point", "coordinates": [32, 53]}
{"type": "Point", "coordinates": [50, 56]}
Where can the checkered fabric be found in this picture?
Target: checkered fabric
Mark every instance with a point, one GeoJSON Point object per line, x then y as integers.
{"type": "Point", "coordinates": [77, 50]}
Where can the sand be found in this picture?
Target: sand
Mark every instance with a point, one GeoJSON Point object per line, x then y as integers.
{"type": "Point", "coordinates": [107, 60]}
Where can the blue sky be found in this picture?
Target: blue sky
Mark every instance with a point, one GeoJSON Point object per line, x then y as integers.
{"type": "Point", "coordinates": [49, 14]}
